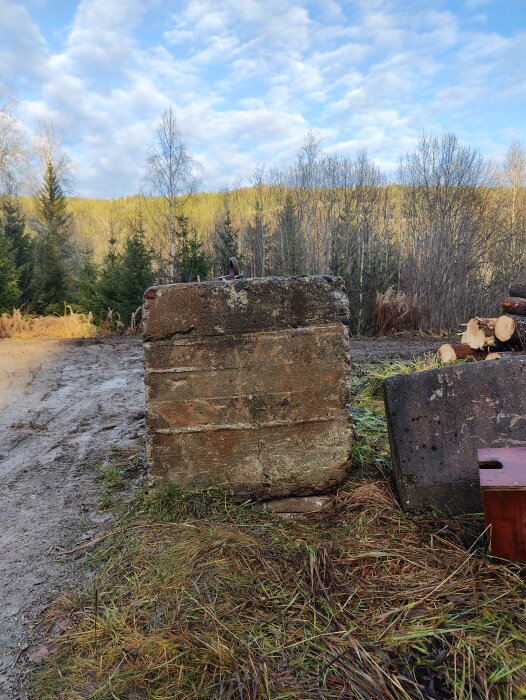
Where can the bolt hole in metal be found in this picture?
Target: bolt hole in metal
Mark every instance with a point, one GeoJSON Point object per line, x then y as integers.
{"type": "Point", "coordinates": [490, 464]}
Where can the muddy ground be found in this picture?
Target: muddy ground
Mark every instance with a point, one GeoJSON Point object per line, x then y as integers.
{"type": "Point", "coordinates": [63, 405]}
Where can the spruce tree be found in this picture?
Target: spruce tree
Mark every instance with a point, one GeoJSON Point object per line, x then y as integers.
{"type": "Point", "coordinates": [52, 201]}
{"type": "Point", "coordinates": [107, 290]}
{"type": "Point", "coordinates": [87, 282]}
{"type": "Point", "coordinates": [289, 233]}
{"type": "Point", "coordinates": [9, 290]}
{"type": "Point", "coordinates": [226, 244]}
{"type": "Point", "coordinates": [135, 274]}
{"type": "Point", "coordinates": [191, 260]}
{"type": "Point", "coordinates": [51, 282]}
{"type": "Point", "coordinates": [14, 226]}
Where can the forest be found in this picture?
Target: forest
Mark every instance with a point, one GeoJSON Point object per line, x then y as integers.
{"type": "Point", "coordinates": [442, 238]}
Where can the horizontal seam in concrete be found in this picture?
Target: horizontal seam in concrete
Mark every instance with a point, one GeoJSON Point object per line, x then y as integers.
{"type": "Point", "coordinates": [235, 397]}
{"type": "Point", "coordinates": [196, 334]}
{"type": "Point", "coordinates": [178, 370]}
{"type": "Point", "coordinates": [244, 426]}
{"type": "Point", "coordinates": [307, 330]}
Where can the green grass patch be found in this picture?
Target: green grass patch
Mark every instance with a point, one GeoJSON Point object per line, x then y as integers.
{"type": "Point", "coordinates": [111, 475]}
{"type": "Point", "coordinates": [367, 387]}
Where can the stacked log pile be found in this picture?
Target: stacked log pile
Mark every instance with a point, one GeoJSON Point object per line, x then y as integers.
{"type": "Point", "coordinates": [492, 338]}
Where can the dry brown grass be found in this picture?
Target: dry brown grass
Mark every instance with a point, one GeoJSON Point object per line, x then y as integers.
{"type": "Point", "coordinates": [201, 599]}
{"type": "Point", "coordinates": [197, 598]}
{"type": "Point", "coordinates": [71, 325]}
{"type": "Point", "coordinates": [396, 312]}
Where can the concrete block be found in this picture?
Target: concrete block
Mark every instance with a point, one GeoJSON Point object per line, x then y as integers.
{"type": "Point", "coordinates": [243, 306]}
{"type": "Point", "coordinates": [438, 419]}
{"type": "Point", "coordinates": [247, 383]}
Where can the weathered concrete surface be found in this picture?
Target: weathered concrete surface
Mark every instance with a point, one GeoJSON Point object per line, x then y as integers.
{"type": "Point", "coordinates": [243, 305]}
{"type": "Point", "coordinates": [438, 419]}
{"type": "Point", "coordinates": [247, 383]}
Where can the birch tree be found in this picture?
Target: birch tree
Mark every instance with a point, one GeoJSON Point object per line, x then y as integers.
{"type": "Point", "coordinates": [172, 176]}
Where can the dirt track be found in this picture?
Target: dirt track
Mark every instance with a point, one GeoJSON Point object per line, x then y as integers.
{"type": "Point", "coordinates": [364, 350]}
{"type": "Point", "coordinates": [63, 404]}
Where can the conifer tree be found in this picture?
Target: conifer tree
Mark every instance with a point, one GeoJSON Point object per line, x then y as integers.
{"type": "Point", "coordinates": [87, 282]}
{"type": "Point", "coordinates": [289, 235]}
{"type": "Point", "coordinates": [191, 259]}
{"type": "Point", "coordinates": [107, 290]}
{"type": "Point", "coordinates": [225, 244]}
{"type": "Point", "coordinates": [14, 226]}
{"type": "Point", "coordinates": [52, 284]}
{"type": "Point", "coordinates": [135, 273]}
{"type": "Point", "coordinates": [9, 290]}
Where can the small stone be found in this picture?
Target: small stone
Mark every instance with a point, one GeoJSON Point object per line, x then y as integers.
{"type": "Point", "coordinates": [44, 651]}
{"type": "Point", "coordinates": [60, 627]}
{"type": "Point", "coordinates": [292, 506]}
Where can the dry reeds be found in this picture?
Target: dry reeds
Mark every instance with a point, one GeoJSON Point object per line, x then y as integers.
{"type": "Point", "coordinates": [70, 325]}
{"type": "Point", "coordinates": [396, 312]}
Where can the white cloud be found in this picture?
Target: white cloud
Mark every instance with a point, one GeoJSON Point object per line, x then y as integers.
{"type": "Point", "coordinates": [248, 78]}
{"type": "Point", "coordinates": [23, 50]}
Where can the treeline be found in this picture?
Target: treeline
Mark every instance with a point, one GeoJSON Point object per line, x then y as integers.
{"type": "Point", "coordinates": [448, 237]}
{"type": "Point", "coordinates": [43, 271]}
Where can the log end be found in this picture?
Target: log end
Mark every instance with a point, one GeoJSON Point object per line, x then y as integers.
{"type": "Point", "coordinates": [446, 353]}
{"type": "Point", "coordinates": [504, 328]}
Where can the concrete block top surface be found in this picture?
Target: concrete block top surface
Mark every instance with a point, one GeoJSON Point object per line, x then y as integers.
{"type": "Point", "coordinates": [223, 307]}
{"type": "Point", "coordinates": [439, 418]}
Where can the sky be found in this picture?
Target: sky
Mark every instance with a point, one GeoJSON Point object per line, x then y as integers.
{"type": "Point", "coordinates": [249, 78]}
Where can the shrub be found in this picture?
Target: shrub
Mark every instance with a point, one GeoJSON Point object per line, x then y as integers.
{"type": "Point", "coordinates": [396, 312]}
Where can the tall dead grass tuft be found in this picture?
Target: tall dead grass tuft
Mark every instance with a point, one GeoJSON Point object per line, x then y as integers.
{"type": "Point", "coordinates": [70, 325]}
{"type": "Point", "coordinates": [396, 312]}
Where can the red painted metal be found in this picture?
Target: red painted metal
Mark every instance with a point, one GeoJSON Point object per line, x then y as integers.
{"type": "Point", "coordinates": [503, 485]}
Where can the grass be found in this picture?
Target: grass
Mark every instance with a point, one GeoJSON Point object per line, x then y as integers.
{"type": "Point", "coordinates": [370, 449]}
{"type": "Point", "coordinates": [111, 475]}
{"type": "Point", "coordinates": [367, 390]}
{"type": "Point", "coordinates": [70, 325]}
{"type": "Point", "coordinates": [198, 598]}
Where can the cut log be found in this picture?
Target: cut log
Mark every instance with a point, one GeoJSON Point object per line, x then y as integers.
{"type": "Point", "coordinates": [514, 305]}
{"type": "Point", "coordinates": [518, 290]}
{"type": "Point", "coordinates": [503, 354]}
{"type": "Point", "coordinates": [511, 329]}
{"type": "Point", "coordinates": [479, 333]}
{"type": "Point", "coordinates": [449, 352]}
